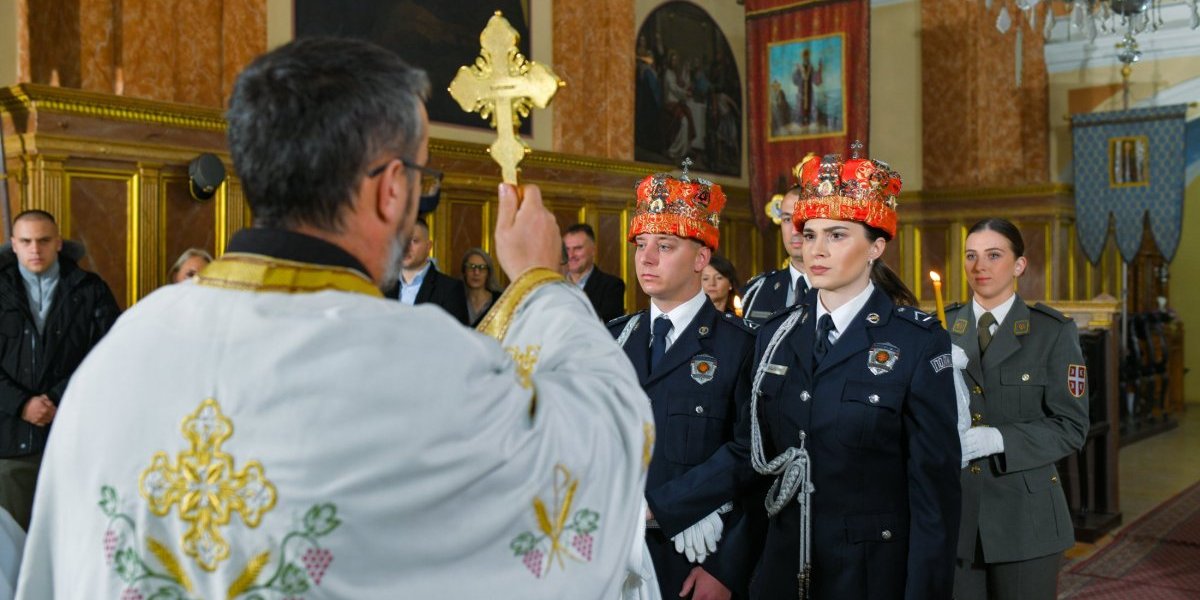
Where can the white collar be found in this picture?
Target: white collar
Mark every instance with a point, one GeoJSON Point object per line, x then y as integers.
{"type": "Point", "coordinates": [681, 316]}
{"type": "Point", "coordinates": [1000, 312]}
{"type": "Point", "coordinates": [844, 314]}
{"type": "Point", "coordinates": [796, 273]}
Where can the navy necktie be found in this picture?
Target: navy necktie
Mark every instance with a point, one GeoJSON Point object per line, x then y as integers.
{"type": "Point", "coordinates": [800, 289]}
{"type": "Point", "coordinates": [658, 340]}
{"type": "Point", "coordinates": [821, 346]}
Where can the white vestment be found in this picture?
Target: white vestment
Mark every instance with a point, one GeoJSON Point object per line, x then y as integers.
{"type": "Point", "coordinates": [221, 443]}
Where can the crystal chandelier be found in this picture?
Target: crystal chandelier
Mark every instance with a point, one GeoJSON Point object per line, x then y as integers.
{"type": "Point", "coordinates": [1094, 17]}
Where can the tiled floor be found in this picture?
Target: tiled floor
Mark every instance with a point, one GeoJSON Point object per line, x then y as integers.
{"type": "Point", "coordinates": [1152, 471]}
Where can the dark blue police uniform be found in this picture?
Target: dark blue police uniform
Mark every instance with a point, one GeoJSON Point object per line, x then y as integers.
{"type": "Point", "coordinates": [766, 294]}
{"type": "Point", "coordinates": [879, 413]}
{"type": "Point", "coordinates": [700, 392]}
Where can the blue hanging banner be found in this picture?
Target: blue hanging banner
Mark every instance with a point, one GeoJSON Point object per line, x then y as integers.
{"type": "Point", "coordinates": [1129, 163]}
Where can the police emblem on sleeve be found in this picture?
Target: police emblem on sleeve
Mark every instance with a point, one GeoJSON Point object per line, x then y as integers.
{"type": "Point", "coordinates": [881, 358]}
{"type": "Point", "coordinates": [1077, 380]}
{"type": "Point", "coordinates": [704, 367]}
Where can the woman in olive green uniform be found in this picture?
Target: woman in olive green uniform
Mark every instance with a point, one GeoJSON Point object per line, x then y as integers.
{"type": "Point", "coordinates": [1029, 408]}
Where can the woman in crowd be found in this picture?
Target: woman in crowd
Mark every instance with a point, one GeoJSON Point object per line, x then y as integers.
{"type": "Point", "coordinates": [1029, 408]}
{"type": "Point", "coordinates": [853, 411]}
{"type": "Point", "coordinates": [481, 287]}
{"type": "Point", "coordinates": [718, 282]}
{"type": "Point", "coordinates": [188, 264]}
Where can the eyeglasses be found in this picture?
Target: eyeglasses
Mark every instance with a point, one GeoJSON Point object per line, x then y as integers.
{"type": "Point", "coordinates": [431, 179]}
{"type": "Point", "coordinates": [473, 267]}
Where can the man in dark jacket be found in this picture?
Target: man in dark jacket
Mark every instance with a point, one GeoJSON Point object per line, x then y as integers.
{"type": "Point", "coordinates": [51, 315]}
{"type": "Point", "coordinates": [606, 292]}
{"type": "Point", "coordinates": [420, 282]}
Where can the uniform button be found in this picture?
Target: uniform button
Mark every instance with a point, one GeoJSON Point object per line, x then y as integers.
{"type": "Point", "coordinates": [977, 418]}
{"type": "Point", "coordinates": [976, 390]}
{"type": "Point", "coordinates": [804, 396]}
{"type": "Point", "coordinates": [1025, 377]}
{"type": "Point", "coordinates": [887, 534]}
{"type": "Point", "coordinates": [22, 445]}
{"type": "Point", "coordinates": [699, 410]}
{"type": "Point", "coordinates": [975, 470]}
{"type": "Point", "coordinates": [1054, 478]}
{"type": "Point", "coordinates": [873, 398]}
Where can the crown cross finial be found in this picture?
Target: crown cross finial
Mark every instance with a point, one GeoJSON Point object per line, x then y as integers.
{"type": "Point", "coordinates": [687, 163]}
{"type": "Point", "coordinates": [855, 148]}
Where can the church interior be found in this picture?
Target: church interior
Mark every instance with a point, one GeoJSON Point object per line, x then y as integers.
{"type": "Point", "coordinates": [982, 106]}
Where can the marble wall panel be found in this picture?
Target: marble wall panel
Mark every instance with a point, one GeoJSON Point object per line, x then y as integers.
{"type": "Point", "coordinates": [982, 127]}
{"type": "Point", "coordinates": [594, 53]}
{"type": "Point", "coordinates": [1032, 284]}
{"type": "Point", "coordinates": [149, 40]}
{"type": "Point", "coordinates": [243, 37]}
{"type": "Point", "coordinates": [188, 223]}
{"type": "Point", "coordinates": [466, 232]}
{"type": "Point", "coordinates": [99, 214]}
{"type": "Point", "coordinates": [935, 243]}
{"type": "Point", "coordinates": [98, 44]}
{"type": "Point", "coordinates": [53, 27]}
{"type": "Point", "coordinates": [198, 51]}
{"type": "Point", "coordinates": [609, 242]}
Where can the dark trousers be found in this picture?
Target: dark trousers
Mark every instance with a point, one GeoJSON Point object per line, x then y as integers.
{"type": "Point", "coordinates": [18, 478]}
{"type": "Point", "coordinates": [1033, 579]}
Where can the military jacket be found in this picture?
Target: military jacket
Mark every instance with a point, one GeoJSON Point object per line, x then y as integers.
{"type": "Point", "coordinates": [1031, 385]}
{"type": "Point", "coordinates": [699, 391]}
{"type": "Point", "coordinates": [879, 415]}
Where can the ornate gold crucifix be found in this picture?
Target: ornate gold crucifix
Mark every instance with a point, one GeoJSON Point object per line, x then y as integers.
{"type": "Point", "coordinates": [504, 86]}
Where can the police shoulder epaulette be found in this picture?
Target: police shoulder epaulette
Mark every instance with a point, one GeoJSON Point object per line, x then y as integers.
{"type": "Point", "coordinates": [738, 322]}
{"type": "Point", "coordinates": [760, 276]}
{"type": "Point", "coordinates": [953, 306]}
{"type": "Point", "coordinates": [1050, 311]}
{"type": "Point", "coordinates": [775, 316]}
{"type": "Point", "coordinates": [917, 316]}
{"type": "Point", "coordinates": [619, 321]}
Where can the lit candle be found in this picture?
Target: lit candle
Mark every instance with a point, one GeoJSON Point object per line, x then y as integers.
{"type": "Point", "coordinates": [937, 296]}
{"type": "Point", "coordinates": [737, 306]}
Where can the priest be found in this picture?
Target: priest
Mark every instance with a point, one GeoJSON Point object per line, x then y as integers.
{"type": "Point", "coordinates": [277, 429]}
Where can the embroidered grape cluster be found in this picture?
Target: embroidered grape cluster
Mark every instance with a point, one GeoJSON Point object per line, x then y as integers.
{"type": "Point", "coordinates": [110, 545]}
{"type": "Point", "coordinates": [131, 594]}
{"type": "Point", "coordinates": [316, 561]}
{"type": "Point", "coordinates": [582, 542]}
{"type": "Point", "coordinates": [533, 562]}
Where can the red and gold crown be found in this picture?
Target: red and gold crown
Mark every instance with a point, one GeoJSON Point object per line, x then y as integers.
{"type": "Point", "coordinates": [685, 207]}
{"type": "Point", "coordinates": [858, 189]}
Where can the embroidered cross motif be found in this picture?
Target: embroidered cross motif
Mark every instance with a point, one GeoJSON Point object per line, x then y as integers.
{"type": "Point", "coordinates": [204, 483]}
{"type": "Point", "coordinates": [525, 362]}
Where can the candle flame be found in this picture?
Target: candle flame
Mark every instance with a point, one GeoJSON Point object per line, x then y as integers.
{"type": "Point", "coordinates": [934, 276]}
{"type": "Point", "coordinates": [737, 305]}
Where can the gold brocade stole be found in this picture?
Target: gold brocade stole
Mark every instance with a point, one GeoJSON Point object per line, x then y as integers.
{"type": "Point", "coordinates": [258, 273]}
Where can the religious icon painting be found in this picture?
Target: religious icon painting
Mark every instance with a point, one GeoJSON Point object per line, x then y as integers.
{"type": "Point", "coordinates": [688, 101]}
{"type": "Point", "coordinates": [806, 97]}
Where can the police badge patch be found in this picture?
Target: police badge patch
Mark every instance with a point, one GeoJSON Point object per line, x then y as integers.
{"type": "Point", "coordinates": [704, 367]}
{"type": "Point", "coordinates": [1076, 380]}
{"type": "Point", "coordinates": [881, 358]}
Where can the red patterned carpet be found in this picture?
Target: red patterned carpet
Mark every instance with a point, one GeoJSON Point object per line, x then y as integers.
{"type": "Point", "coordinates": [1155, 558]}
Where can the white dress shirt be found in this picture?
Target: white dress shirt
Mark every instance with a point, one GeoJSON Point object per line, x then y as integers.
{"type": "Point", "coordinates": [844, 314]}
{"type": "Point", "coordinates": [681, 316]}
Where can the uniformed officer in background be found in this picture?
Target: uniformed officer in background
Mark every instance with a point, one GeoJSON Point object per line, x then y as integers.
{"type": "Point", "coordinates": [770, 292]}
{"type": "Point", "coordinates": [853, 411]}
{"type": "Point", "coordinates": [1029, 409]}
{"type": "Point", "coordinates": [693, 361]}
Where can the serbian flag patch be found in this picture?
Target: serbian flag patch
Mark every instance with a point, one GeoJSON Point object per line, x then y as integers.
{"type": "Point", "coordinates": [1076, 380]}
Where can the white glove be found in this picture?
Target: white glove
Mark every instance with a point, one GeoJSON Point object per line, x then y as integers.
{"type": "Point", "coordinates": [700, 540]}
{"type": "Point", "coordinates": [981, 441]}
{"type": "Point", "coordinates": [959, 358]}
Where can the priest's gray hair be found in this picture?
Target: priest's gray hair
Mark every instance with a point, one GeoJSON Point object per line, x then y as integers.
{"type": "Point", "coordinates": [309, 119]}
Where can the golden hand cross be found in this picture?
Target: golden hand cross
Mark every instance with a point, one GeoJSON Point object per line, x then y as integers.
{"type": "Point", "coordinates": [503, 86]}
